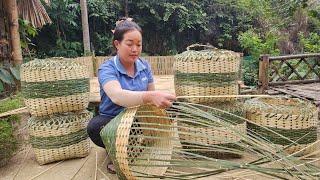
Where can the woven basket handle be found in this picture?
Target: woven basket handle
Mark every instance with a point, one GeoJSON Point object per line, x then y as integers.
{"type": "Point", "coordinates": [199, 47]}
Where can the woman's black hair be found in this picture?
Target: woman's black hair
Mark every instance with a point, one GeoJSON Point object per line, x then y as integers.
{"type": "Point", "coordinates": [123, 26]}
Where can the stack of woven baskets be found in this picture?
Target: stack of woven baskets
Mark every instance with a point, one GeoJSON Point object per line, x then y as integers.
{"type": "Point", "coordinates": [203, 71]}
{"type": "Point", "coordinates": [56, 92]}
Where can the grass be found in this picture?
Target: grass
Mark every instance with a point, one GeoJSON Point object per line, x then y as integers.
{"type": "Point", "coordinates": [8, 142]}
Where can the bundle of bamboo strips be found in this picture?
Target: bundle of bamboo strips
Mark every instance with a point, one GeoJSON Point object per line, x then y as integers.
{"type": "Point", "coordinates": [144, 142]}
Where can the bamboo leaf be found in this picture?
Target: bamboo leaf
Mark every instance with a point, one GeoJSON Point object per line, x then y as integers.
{"type": "Point", "coordinates": [1, 86]}
{"type": "Point", "coordinates": [16, 72]}
{"type": "Point", "coordinates": [6, 77]}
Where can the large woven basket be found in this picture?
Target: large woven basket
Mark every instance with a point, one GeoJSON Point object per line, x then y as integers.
{"type": "Point", "coordinates": [194, 134]}
{"type": "Point", "coordinates": [141, 135]}
{"type": "Point", "coordinates": [54, 85]}
{"type": "Point", "coordinates": [204, 71]}
{"type": "Point", "coordinates": [59, 137]}
{"type": "Point", "coordinates": [289, 118]}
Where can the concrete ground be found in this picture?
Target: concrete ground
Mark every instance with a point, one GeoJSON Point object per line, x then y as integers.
{"type": "Point", "coordinates": [23, 166]}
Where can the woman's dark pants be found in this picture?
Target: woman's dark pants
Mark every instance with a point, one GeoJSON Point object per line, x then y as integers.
{"type": "Point", "coordinates": [94, 127]}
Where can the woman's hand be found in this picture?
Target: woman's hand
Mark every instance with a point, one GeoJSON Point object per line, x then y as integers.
{"type": "Point", "coordinates": [159, 99]}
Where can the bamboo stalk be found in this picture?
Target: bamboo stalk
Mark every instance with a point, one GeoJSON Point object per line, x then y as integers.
{"type": "Point", "coordinates": [45, 170]}
{"type": "Point", "coordinates": [15, 111]}
{"type": "Point", "coordinates": [103, 174]}
{"type": "Point", "coordinates": [96, 169]}
{"type": "Point", "coordinates": [20, 167]}
{"type": "Point", "coordinates": [80, 168]}
{"type": "Point", "coordinates": [224, 96]}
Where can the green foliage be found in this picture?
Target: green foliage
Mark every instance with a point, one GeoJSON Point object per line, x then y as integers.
{"type": "Point", "coordinates": [8, 76]}
{"type": "Point", "coordinates": [314, 18]}
{"type": "Point", "coordinates": [103, 43]}
{"type": "Point", "coordinates": [65, 15]}
{"type": "Point", "coordinates": [226, 19]}
{"type": "Point", "coordinates": [66, 49]}
{"type": "Point", "coordinates": [64, 36]}
{"type": "Point", "coordinates": [165, 22]}
{"type": "Point", "coordinates": [5, 76]}
{"type": "Point", "coordinates": [188, 15]}
{"type": "Point", "coordinates": [250, 71]}
{"type": "Point", "coordinates": [170, 26]}
{"type": "Point", "coordinates": [27, 31]}
{"type": "Point", "coordinates": [8, 143]}
{"type": "Point", "coordinates": [1, 86]}
{"type": "Point", "coordinates": [311, 43]}
{"type": "Point", "coordinates": [256, 45]}
{"type": "Point", "coordinates": [11, 103]}
{"type": "Point", "coordinates": [102, 16]}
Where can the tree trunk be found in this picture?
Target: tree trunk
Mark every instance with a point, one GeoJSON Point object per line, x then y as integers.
{"type": "Point", "coordinates": [14, 32]}
{"type": "Point", "coordinates": [85, 27]}
{"type": "Point", "coordinates": [126, 11]}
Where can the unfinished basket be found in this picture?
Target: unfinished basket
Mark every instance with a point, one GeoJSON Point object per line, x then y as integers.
{"type": "Point", "coordinates": [141, 135]}
{"type": "Point", "coordinates": [293, 121]}
{"type": "Point", "coordinates": [59, 137]}
{"type": "Point", "coordinates": [54, 85]}
{"type": "Point", "coordinates": [204, 70]}
{"type": "Point", "coordinates": [197, 132]}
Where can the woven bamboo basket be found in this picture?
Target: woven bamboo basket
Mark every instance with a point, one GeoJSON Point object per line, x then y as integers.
{"type": "Point", "coordinates": [204, 71]}
{"type": "Point", "coordinates": [60, 136]}
{"type": "Point", "coordinates": [291, 118]}
{"type": "Point", "coordinates": [211, 133]}
{"type": "Point", "coordinates": [140, 135]}
{"type": "Point", "coordinates": [54, 85]}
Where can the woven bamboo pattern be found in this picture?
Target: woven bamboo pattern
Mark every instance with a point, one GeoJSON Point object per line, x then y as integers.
{"type": "Point", "coordinates": [223, 136]}
{"type": "Point", "coordinates": [60, 136]}
{"type": "Point", "coordinates": [204, 71]}
{"type": "Point", "coordinates": [54, 85]}
{"type": "Point", "coordinates": [294, 121]}
{"type": "Point", "coordinates": [135, 133]}
{"type": "Point", "coordinates": [145, 142]}
{"type": "Point", "coordinates": [88, 62]}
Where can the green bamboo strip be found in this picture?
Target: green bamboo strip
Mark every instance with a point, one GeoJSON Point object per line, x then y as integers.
{"type": "Point", "coordinates": [50, 89]}
{"type": "Point", "coordinates": [222, 153]}
{"type": "Point", "coordinates": [230, 118]}
{"type": "Point", "coordinates": [293, 134]}
{"type": "Point", "coordinates": [53, 142]}
{"type": "Point", "coordinates": [109, 136]}
{"type": "Point", "coordinates": [207, 77]}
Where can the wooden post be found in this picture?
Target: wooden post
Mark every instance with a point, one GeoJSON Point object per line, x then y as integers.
{"type": "Point", "coordinates": [263, 73]}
